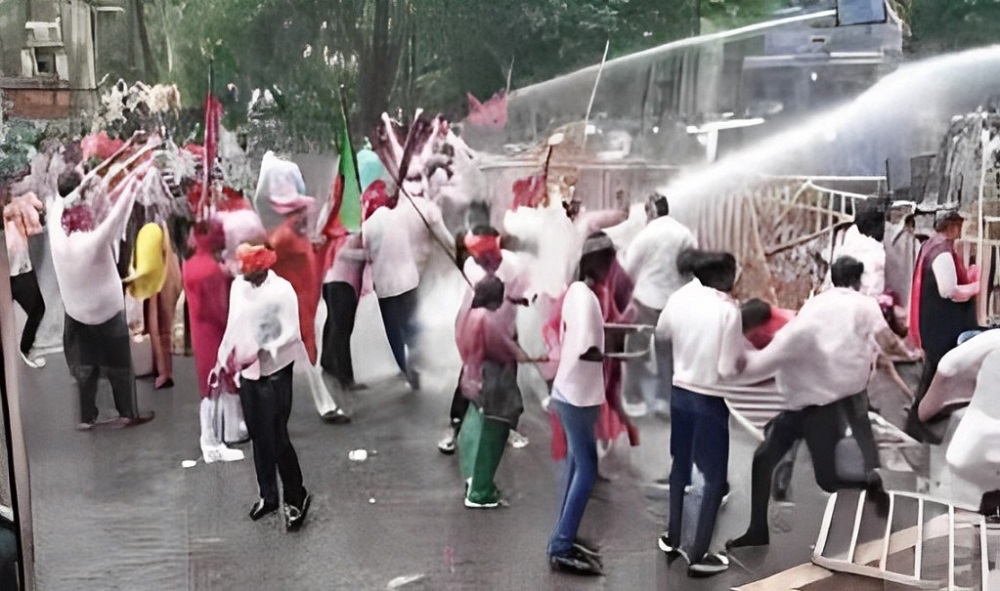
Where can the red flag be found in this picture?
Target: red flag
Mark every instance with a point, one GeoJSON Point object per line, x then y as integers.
{"type": "Point", "coordinates": [529, 192]}
{"type": "Point", "coordinates": [491, 114]}
{"type": "Point", "coordinates": [213, 116]}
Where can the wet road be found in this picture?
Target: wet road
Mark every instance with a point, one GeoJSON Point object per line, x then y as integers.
{"type": "Point", "coordinates": [115, 509]}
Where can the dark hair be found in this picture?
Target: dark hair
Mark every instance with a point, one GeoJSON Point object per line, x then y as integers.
{"type": "Point", "coordinates": [69, 180]}
{"type": "Point", "coordinates": [846, 272]}
{"type": "Point", "coordinates": [713, 269]}
{"type": "Point", "coordinates": [660, 204]}
{"type": "Point", "coordinates": [870, 220]}
{"type": "Point", "coordinates": [755, 313]}
{"type": "Point", "coordinates": [489, 293]}
{"type": "Point", "coordinates": [595, 263]}
{"type": "Point", "coordinates": [484, 230]}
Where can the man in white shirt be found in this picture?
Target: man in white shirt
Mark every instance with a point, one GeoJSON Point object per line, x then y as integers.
{"type": "Point", "coordinates": [822, 361]}
{"type": "Point", "coordinates": [398, 240]}
{"type": "Point", "coordinates": [21, 220]}
{"type": "Point", "coordinates": [263, 342]}
{"type": "Point", "coordinates": [942, 304]}
{"type": "Point", "coordinates": [651, 262]}
{"type": "Point", "coordinates": [704, 324]}
{"type": "Point", "coordinates": [96, 337]}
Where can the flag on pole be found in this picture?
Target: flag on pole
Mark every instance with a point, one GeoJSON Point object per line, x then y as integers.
{"type": "Point", "coordinates": [350, 197]}
{"type": "Point", "coordinates": [213, 117]}
{"type": "Point", "coordinates": [345, 194]}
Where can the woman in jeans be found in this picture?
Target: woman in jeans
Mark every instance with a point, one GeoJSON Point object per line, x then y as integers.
{"type": "Point", "coordinates": [577, 396]}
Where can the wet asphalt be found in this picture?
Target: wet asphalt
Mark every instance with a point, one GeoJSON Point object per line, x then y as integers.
{"type": "Point", "coordinates": [114, 509]}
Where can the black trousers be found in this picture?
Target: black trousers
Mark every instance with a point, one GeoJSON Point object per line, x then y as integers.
{"type": "Point", "coordinates": [821, 427]}
{"type": "Point", "coordinates": [400, 327]}
{"type": "Point", "coordinates": [342, 307]}
{"type": "Point", "coordinates": [24, 289]}
{"type": "Point", "coordinates": [95, 349]}
{"type": "Point", "coordinates": [267, 406]}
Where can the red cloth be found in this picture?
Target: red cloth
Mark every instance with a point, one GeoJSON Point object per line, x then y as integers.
{"type": "Point", "coordinates": [206, 287]}
{"type": "Point", "coordinates": [255, 258]}
{"type": "Point", "coordinates": [934, 246]}
{"type": "Point", "coordinates": [374, 197]}
{"type": "Point", "coordinates": [762, 336]}
{"type": "Point", "coordinates": [297, 265]}
{"type": "Point", "coordinates": [614, 294]}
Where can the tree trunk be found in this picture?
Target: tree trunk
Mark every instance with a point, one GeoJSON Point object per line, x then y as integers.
{"type": "Point", "coordinates": [150, 70]}
{"type": "Point", "coordinates": [378, 64]}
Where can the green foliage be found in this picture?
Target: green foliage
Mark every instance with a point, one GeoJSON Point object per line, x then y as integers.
{"type": "Point", "coordinates": [948, 25]}
{"type": "Point", "coordinates": [392, 54]}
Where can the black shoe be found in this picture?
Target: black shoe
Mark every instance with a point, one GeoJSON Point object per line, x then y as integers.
{"type": "Point", "coordinates": [711, 564]}
{"type": "Point", "coordinates": [575, 562]}
{"type": "Point", "coordinates": [666, 546]}
{"type": "Point", "coordinates": [749, 539]}
{"type": "Point", "coordinates": [295, 516]}
{"type": "Point", "coordinates": [139, 420]}
{"type": "Point", "coordinates": [262, 509]}
{"type": "Point", "coordinates": [337, 417]}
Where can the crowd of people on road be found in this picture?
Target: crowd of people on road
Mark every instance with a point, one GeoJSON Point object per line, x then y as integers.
{"type": "Point", "coordinates": [643, 321]}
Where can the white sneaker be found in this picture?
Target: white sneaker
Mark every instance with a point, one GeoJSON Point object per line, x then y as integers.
{"type": "Point", "coordinates": [222, 453]}
{"type": "Point", "coordinates": [36, 363]}
{"type": "Point", "coordinates": [516, 440]}
{"type": "Point", "coordinates": [637, 410]}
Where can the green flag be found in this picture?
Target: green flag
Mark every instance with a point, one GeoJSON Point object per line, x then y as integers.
{"type": "Point", "coordinates": [349, 200]}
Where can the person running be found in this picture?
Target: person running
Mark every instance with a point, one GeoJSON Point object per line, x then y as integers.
{"type": "Point", "coordinates": [822, 361]}
{"type": "Point", "coordinates": [262, 343]}
{"type": "Point", "coordinates": [577, 396]}
{"type": "Point", "coordinates": [704, 325]}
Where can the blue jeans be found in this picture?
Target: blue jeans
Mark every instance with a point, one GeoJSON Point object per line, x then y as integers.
{"type": "Point", "coordinates": [968, 335]}
{"type": "Point", "coordinates": [578, 423]}
{"type": "Point", "coordinates": [699, 445]}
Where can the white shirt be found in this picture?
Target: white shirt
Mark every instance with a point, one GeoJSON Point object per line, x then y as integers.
{"type": "Point", "coordinates": [398, 244]}
{"type": "Point", "coordinates": [263, 323]}
{"type": "Point", "coordinates": [579, 382]}
{"type": "Point", "coordinates": [706, 330]}
{"type": "Point", "coordinates": [827, 352]}
{"type": "Point", "coordinates": [871, 253]}
{"type": "Point", "coordinates": [651, 261]}
{"type": "Point", "coordinates": [85, 265]}
{"type": "Point", "coordinates": [17, 250]}
{"type": "Point", "coordinates": [946, 275]}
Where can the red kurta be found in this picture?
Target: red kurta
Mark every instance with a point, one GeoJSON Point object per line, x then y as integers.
{"type": "Point", "coordinates": [206, 287]}
{"type": "Point", "coordinates": [297, 265]}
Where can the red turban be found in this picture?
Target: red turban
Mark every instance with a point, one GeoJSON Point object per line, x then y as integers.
{"type": "Point", "coordinates": [255, 258]}
{"type": "Point", "coordinates": [374, 197]}
{"type": "Point", "coordinates": [480, 246]}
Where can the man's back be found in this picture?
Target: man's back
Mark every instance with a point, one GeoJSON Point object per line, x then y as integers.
{"type": "Point", "coordinates": [651, 261]}
{"type": "Point", "coordinates": [828, 351]}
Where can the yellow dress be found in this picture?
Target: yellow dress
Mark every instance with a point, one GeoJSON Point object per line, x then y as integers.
{"type": "Point", "coordinates": [149, 268]}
